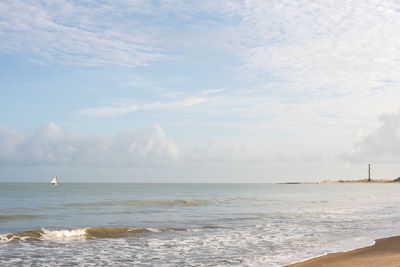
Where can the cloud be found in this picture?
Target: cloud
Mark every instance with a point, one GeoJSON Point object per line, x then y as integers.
{"type": "Point", "coordinates": [334, 45]}
{"type": "Point", "coordinates": [126, 106]}
{"type": "Point", "coordinates": [117, 108]}
{"type": "Point", "coordinates": [212, 91]}
{"type": "Point", "coordinates": [319, 45]}
{"type": "Point", "coordinates": [381, 145]}
{"type": "Point", "coordinates": [96, 33]}
{"type": "Point", "coordinates": [149, 153]}
{"type": "Point", "coordinates": [193, 101]}
{"type": "Point", "coordinates": [50, 145]}
{"type": "Point", "coordinates": [220, 151]}
{"type": "Point", "coordinates": [303, 63]}
{"type": "Point", "coordinates": [78, 33]}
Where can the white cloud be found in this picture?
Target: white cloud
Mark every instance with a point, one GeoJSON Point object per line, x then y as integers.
{"type": "Point", "coordinates": [328, 45]}
{"type": "Point", "coordinates": [321, 45]}
{"type": "Point", "coordinates": [117, 108]}
{"type": "Point", "coordinates": [381, 145]}
{"type": "Point", "coordinates": [212, 91]}
{"type": "Point", "coordinates": [83, 155]}
{"type": "Point", "coordinates": [78, 33]}
{"type": "Point", "coordinates": [237, 152]}
{"type": "Point", "coordinates": [126, 106]}
{"type": "Point", "coordinates": [96, 33]}
{"type": "Point", "coordinates": [49, 145]}
{"type": "Point", "coordinates": [314, 67]}
{"type": "Point", "coordinates": [194, 101]}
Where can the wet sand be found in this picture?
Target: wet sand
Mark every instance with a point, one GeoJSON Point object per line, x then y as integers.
{"type": "Point", "coordinates": [385, 252]}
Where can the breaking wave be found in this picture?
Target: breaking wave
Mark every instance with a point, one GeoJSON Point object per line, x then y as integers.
{"type": "Point", "coordinates": [194, 202]}
{"type": "Point", "coordinates": [80, 234]}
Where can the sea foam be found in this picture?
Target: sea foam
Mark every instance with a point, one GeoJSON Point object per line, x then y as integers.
{"type": "Point", "coordinates": [79, 233]}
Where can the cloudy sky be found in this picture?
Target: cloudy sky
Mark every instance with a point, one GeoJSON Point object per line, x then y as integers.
{"type": "Point", "coordinates": [199, 91]}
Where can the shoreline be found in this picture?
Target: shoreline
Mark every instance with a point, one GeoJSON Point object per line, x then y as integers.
{"type": "Point", "coordinates": [363, 181]}
{"type": "Point", "coordinates": [384, 252]}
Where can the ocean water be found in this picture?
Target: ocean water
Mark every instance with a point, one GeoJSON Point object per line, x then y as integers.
{"type": "Point", "coordinates": [189, 224]}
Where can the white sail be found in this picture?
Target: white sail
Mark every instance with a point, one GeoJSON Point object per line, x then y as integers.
{"type": "Point", "coordinates": [54, 181]}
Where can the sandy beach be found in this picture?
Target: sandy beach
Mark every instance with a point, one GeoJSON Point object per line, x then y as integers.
{"type": "Point", "coordinates": [385, 252]}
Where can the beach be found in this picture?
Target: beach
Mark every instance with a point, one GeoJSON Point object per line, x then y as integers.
{"type": "Point", "coordinates": [385, 252]}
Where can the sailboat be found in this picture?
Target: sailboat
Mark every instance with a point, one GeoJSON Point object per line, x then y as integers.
{"type": "Point", "coordinates": [54, 181]}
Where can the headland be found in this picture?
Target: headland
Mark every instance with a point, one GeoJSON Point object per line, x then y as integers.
{"type": "Point", "coordinates": [362, 181]}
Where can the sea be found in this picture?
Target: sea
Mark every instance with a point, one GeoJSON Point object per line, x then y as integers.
{"type": "Point", "coordinates": [136, 224]}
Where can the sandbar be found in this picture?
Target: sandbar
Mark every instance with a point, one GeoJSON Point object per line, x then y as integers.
{"type": "Point", "coordinates": [385, 252]}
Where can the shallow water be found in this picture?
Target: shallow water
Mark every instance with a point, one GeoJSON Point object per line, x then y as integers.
{"type": "Point", "coordinates": [189, 224]}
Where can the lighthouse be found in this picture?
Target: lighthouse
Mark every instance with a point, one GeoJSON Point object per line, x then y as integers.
{"type": "Point", "coordinates": [369, 172]}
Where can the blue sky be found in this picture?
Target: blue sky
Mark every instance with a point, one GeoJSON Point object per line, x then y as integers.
{"type": "Point", "coordinates": [205, 91]}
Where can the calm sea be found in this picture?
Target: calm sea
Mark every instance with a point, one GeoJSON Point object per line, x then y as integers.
{"type": "Point", "coordinates": [189, 224]}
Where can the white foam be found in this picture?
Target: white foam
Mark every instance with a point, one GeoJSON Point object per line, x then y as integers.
{"type": "Point", "coordinates": [73, 234]}
{"type": "Point", "coordinates": [5, 238]}
{"type": "Point", "coordinates": [153, 230]}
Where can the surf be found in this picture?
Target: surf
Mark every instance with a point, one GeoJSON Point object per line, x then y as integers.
{"type": "Point", "coordinates": [81, 233]}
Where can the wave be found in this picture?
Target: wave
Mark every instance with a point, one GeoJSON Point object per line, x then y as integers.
{"type": "Point", "coordinates": [142, 203]}
{"type": "Point", "coordinates": [18, 216]}
{"type": "Point", "coordinates": [80, 233]}
{"type": "Point", "coordinates": [193, 202]}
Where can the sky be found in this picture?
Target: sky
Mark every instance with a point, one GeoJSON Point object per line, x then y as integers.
{"type": "Point", "coordinates": [199, 91]}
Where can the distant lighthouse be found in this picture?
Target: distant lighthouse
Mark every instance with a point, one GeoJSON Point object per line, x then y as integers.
{"type": "Point", "coordinates": [369, 172]}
